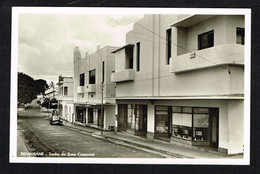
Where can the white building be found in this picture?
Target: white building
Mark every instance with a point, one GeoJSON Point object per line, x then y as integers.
{"type": "Point", "coordinates": [180, 78]}
{"type": "Point", "coordinates": [93, 89]}
{"type": "Point", "coordinates": [65, 98]}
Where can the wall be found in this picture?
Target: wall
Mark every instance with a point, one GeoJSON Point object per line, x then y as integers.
{"type": "Point", "coordinates": [109, 116]}
{"type": "Point", "coordinates": [235, 126]}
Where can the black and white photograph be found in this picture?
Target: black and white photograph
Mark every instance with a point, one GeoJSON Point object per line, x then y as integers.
{"type": "Point", "coordinates": [130, 85]}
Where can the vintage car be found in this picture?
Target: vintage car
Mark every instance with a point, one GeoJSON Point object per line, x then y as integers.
{"type": "Point", "coordinates": [55, 119]}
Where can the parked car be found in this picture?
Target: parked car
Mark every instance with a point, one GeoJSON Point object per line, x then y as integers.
{"type": "Point", "coordinates": [55, 119]}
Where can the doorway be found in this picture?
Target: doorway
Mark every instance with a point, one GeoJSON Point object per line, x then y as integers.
{"type": "Point", "coordinates": [90, 115]}
{"type": "Point", "coordinates": [122, 117]}
{"type": "Point", "coordinates": [214, 124]}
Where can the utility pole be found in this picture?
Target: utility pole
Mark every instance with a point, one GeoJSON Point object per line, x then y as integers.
{"type": "Point", "coordinates": [102, 112]}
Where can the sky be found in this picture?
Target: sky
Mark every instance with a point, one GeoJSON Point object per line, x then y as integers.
{"type": "Point", "coordinates": [46, 41]}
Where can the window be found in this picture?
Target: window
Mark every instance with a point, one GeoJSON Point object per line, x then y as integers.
{"type": "Point", "coordinates": [129, 58]}
{"type": "Point", "coordinates": [240, 36]}
{"type": "Point", "coordinates": [138, 56]}
{"type": "Point", "coordinates": [191, 123]}
{"type": "Point", "coordinates": [206, 40]}
{"type": "Point", "coordinates": [92, 77]}
{"type": "Point", "coordinates": [168, 45]}
{"type": "Point", "coordinates": [65, 90]}
{"type": "Point", "coordinates": [103, 71]}
{"type": "Point", "coordinates": [82, 79]}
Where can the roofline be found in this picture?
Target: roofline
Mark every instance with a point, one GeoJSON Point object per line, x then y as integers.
{"type": "Point", "coordinates": [217, 97]}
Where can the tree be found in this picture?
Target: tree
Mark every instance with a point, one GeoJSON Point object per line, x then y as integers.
{"type": "Point", "coordinates": [28, 88]}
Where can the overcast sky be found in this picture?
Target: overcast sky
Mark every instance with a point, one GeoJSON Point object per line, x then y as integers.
{"type": "Point", "coordinates": [46, 41]}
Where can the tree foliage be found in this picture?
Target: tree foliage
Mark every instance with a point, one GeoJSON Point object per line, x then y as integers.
{"type": "Point", "coordinates": [28, 88]}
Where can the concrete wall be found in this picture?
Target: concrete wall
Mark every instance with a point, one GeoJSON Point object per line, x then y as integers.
{"type": "Point", "coordinates": [109, 116]}
{"type": "Point", "coordinates": [235, 126]}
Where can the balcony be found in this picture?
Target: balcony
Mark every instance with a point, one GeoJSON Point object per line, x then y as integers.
{"type": "Point", "coordinates": [80, 89]}
{"type": "Point", "coordinates": [210, 57]}
{"type": "Point", "coordinates": [122, 76]}
{"type": "Point", "coordinates": [90, 88]}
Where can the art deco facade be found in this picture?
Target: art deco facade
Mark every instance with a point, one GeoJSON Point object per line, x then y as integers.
{"type": "Point", "coordinates": [179, 78]}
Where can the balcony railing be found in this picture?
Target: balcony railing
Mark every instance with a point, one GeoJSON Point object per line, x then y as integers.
{"type": "Point", "coordinates": [90, 88]}
{"type": "Point", "coordinates": [124, 75]}
{"type": "Point", "coordinates": [210, 57]}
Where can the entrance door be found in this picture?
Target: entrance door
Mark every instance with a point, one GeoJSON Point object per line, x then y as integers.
{"type": "Point", "coordinates": [100, 117]}
{"type": "Point", "coordinates": [80, 115]}
{"type": "Point", "coordinates": [90, 115]}
{"type": "Point", "coordinates": [141, 118]}
{"type": "Point", "coordinates": [122, 117]}
{"type": "Point", "coordinates": [214, 122]}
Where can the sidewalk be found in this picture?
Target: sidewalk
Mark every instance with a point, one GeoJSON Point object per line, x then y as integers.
{"type": "Point", "coordinates": [174, 149]}
{"type": "Point", "coordinates": [21, 147]}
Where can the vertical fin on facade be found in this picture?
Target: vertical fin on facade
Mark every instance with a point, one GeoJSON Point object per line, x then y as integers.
{"type": "Point", "coordinates": [77, 54]}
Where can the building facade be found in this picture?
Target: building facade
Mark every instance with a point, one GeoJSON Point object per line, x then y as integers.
{"type": "Point", "coordinates": [93, 89]}
{"type": "Point", "coordinates": [65, 98]}
{"type": "Point", "coordinates": [179, 78]}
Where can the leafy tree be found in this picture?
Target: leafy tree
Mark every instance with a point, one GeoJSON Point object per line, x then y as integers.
{"type": "Point", "coordinates": [28, 88]}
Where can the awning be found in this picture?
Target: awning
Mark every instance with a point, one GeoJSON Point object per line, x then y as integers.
{"type": "Point", "coordinates": [191, 20]}
{"type": "Point", "coordinates": [212, 97]}
{"type": "Point", "coordinates": [126, 46]}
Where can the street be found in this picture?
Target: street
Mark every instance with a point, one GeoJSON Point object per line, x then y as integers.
{"type": "Point", "coordinates": [47, 140]}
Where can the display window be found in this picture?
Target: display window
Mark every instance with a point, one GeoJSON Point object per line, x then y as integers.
{"type": "Point", "coordinates": [182, 122]}
{"type": "Point", "coordinates": [162, 120]}
{"type": "Point", "coordinates": [191, 123]}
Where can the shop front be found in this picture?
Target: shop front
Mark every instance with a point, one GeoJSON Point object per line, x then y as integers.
{"type": "Point", "coordinates": [195, 126]}
{"type": "Point", "coordinates": [132, 118]}
{"type": "Point", "coordinates": [94, 117]}
{"type": "Point", "coordinates": [162, 123]}
{"type": "Point", "coordinates": [80, 114]}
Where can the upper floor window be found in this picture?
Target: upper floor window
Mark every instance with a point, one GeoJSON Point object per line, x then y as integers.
{"type": "Point", "coordinates": [129, 58]}
{"type": "Point", "coordinates": [82, 79]}
{"type": "Point", "coordinates": [138, 56]}
{"type": "Point", "coordinates": [65, 90]}
{"type": "Point", "coordinates": [240, 36]}
{"type": "Point", "coordinates": [92, 76]}
{"type": "Point", "coordinates": [206, 40]}
{"type": "Point", "coordinates": [103, 71]}
{"type": "Point", "coordinates": [168, 45]}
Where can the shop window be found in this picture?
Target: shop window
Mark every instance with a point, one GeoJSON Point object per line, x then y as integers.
{"type": "Point", "coordinates": [182, 125]}
{"type": "Point", "coordinates": [201, 127]}
{"type": "Point", "coordinates": [240, 36]}
{"type": "Point", "coordinates": [190, 123]}
{"type": "Point", "coordinates": [162, 120]}
{"type": "Point", "coordinates": [176, 109]}
{"type": "Point", "coordinates": [201, 110]}
{"type": "Point", "coordinates": [187, 110]}
{"type": "Point", "coordinates": [92, 76]}
{"type": "Point", "coordinates": [82, 79]}
{"type": "Point", "coordinates": [65, 90]}
{"type": "Point", "coordinates": [206, 40]}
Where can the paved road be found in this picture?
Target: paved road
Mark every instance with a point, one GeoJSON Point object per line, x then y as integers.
{"type": "Point", "coordinates": [54, 141]}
